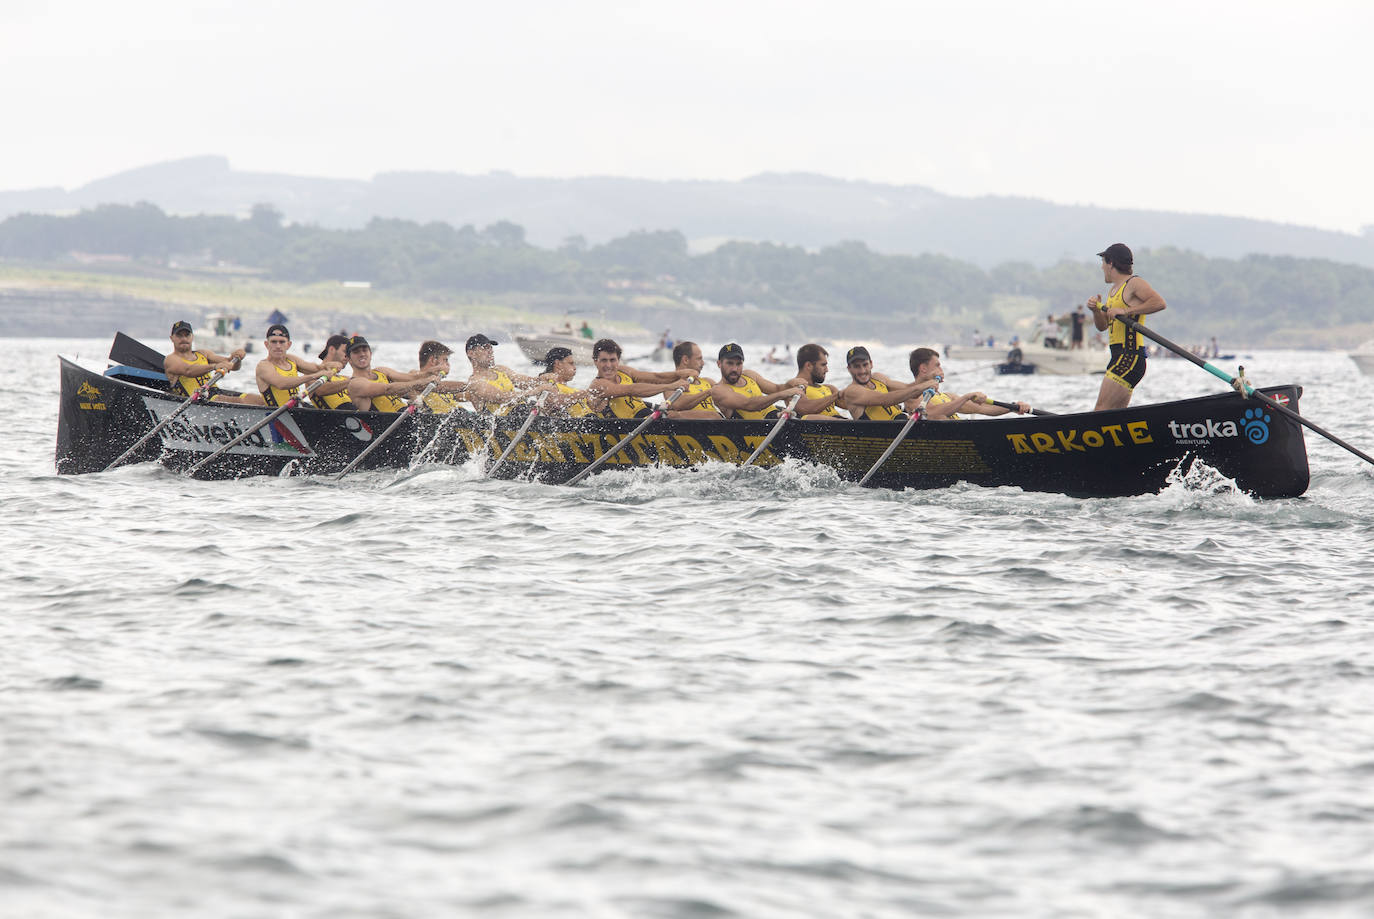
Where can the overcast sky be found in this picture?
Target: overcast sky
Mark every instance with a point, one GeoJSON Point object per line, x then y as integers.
{"type": "Point", "coordinates": [1258, 109]}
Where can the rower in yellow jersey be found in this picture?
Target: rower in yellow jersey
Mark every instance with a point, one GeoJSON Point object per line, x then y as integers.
{"type": "Point", "coordinates": [925, 364]}
{"type": "Point", "coordinates": [696, 401]}
{"type": "Point", "coordinates": [1129, 296]}
{"type": "Point", "coordinates": [820, 401]}
{"type": "Point", "coordinates": [873, 396]}
{"type": "Point", "coordinates": [493, 387]}
{"type": "Point", "coordinates": [744, 394]}
{"type": "Point", "coordinates": [333, 392]}
{"type": "Point", "coordinates": [449, 393]}
{"type": "Point", "coordinates": [281, 374]}
{"type": "Point", "coordinates": [380, 389]}
{"type": "Point", "coordinates": [189, 368]}
{"type": "Point", "coordinates": [623, 387]}
{"type": "Point", "coordinates": [559, 368]}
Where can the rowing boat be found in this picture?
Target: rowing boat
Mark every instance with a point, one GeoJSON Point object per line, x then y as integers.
{"type": "Point", "coordinates": [1124, 452]}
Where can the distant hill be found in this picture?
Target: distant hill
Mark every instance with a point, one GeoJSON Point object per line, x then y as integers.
{"type": "Point", "coordinates": [792, 209]}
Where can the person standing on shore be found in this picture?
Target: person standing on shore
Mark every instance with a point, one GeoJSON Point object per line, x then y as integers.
{"type": "Point", "coordinates": [1130, 296]}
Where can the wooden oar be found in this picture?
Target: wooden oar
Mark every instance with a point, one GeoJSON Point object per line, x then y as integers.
{"type": "Point", "coordinates": [290, 404]}
{"type": "Point", "coordinates": [203, 393]}
{"type": "Point", "coordinates": [1242, 387]}
{"type": "Point", "coordinates": [1011, 407]}
{"type": "Point", "coordinates": [657, 413]}
{"type": "Point", "coordinates": [901, 435]}
{"type": "Point", "coordinates": [786, 414]}
{"type": "Point", "coordinates": [534, 413]}
{"type": "Point", "coordinates": [409, 410]}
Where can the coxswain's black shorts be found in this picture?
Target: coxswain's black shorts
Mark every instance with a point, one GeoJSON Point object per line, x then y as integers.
{"type": "Point", "coordinates": [1126, 367]}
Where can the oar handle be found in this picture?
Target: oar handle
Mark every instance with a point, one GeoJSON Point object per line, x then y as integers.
{"type": "Point", "coordinates": [1012, 406]}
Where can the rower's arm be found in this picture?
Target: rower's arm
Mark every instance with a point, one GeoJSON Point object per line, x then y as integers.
{"type": "Point", "coordinates": [330, 388]}
{"type": "Point", "coordinates": [689, 400]}
{"type": "Point", "coordinates": [767, 386]}
{"type": "Point", "coordinates": [235, 358]}
{"type": "Point", "coordinates": [519, 379]}
{"type": "Point", "coordinates": [651, 376]}
{"type": "Point", "coordinates": [815, 406]}
{"type": "Point", "coordinates": [726, 397]}
{"type": "Point", "coordinates": [639, 390]}
{"type": "Point", "coordinates": [1142, 299]}
{"type": "Point", "coordinates": [179, 367]}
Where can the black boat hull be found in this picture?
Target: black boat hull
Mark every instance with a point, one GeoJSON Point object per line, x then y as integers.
{"type": "Point", "coordinates": [1117, 453]}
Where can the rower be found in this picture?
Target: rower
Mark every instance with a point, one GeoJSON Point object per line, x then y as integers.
{"type": "Point", "coordinates": [189, 369]}
{"type": "Point", "coordinates": [447, 394]}
{"type": "Point", "coordinates": [741, 394]}
{"type": "Point", "coordinates": [559, 368]}
{"type": "Point", "coordinates": [696, 401]}
{"type": "Point", "coordinates": [495, 387]}
{"type": "Point", "coordinates": [379, 389]}
{"type": "Point", "coordinates": [624, 387]}
{"type": "Point", "coordinates": [281, 374]}
{"type": "Point", "coordinates": [925, 364]}
{"type": "Point", "coordinates": [819, 398]}
{"type": "Point", "coordinates": [874, 396]}
{"type": "Point", "coordinates": [333, 393]}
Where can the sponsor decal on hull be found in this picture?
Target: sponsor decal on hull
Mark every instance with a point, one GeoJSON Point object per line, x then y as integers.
{"type": "Point", "coordinates": [89, 398]}
{"type": "Point", "coordinates": [1253, 426]}
{"type": "Point", "coordinates": [205, 428]}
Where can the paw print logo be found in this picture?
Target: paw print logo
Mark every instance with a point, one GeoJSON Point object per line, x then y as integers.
{"type": "Point", "coordinates": [1256, 425]}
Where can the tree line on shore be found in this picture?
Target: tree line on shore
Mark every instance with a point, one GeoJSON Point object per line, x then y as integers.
{"type": "Point", "coordinates": [1224, 296]}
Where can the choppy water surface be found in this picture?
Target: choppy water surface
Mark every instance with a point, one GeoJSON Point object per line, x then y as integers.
{"type": "Point", "coordinates": [685, 694]}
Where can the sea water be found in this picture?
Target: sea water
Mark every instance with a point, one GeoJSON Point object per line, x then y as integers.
{"type": "Point", "coordinates": [670, 693]}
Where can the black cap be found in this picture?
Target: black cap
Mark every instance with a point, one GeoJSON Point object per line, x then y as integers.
{"type": "Point", "coordinates": [357, 343]}
{"type": "Point", "coordinates": [554, 356]}
{"type": "Point", "coordinates": [1119, 255]}
{"type": "Point", "coordinates": [732, 351]}
{"type": "Point", "coordinates": [334, 341]}
{"type": "Point", "coordinates": [275, 328]}
{"type": "Point", "coordinates": [181, 326]}
{"type": "Point", "coordinates": [476, 341]}
{"type": "Point", "coordinates": [856, 353]}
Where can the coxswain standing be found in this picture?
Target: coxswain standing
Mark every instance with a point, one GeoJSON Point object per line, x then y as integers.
{"type": "Point", "coordinates": [742, 393]}
{"type": "Point", "coordinates": [495, 387]}
{"type": "Point", "coordinates": [281, 374]}
{"type": "Point", "coordinates": [874, 396]}
{"type": "Point", "coordinates": [188, 369]}
{"type": "Point", "coordinates": [624, 387]}
{"type": "Point", "coordinates": [1130, 296]}
{"type": "Point", "coordinates": [696, 401]}
{"type": "Point", "coordinates": [379, 389]}
{"type": "Point", "coordinates": [925, 365]}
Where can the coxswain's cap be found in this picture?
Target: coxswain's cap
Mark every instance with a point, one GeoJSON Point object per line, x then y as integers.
{"type": "Point", "coordinates": [334, 341]}
{"type": "Point", "coordinates": [856, 353]}
{"type": "Point", "coordinates": [554, 356]}
{"type": "Point", "coordinates": [1119, 255]}
{"type": "Point", "coordinates": [277, 329]}
{"type": "Point", "coordinates": [357, 343]}
{"type": "Point", "coordinates": [731, 351]}
{"type": "Point", "coordinates": [181, 326]}
{"type": "Point", "coordinates": [478, 340]}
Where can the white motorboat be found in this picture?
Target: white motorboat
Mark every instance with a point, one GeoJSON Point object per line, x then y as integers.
{"type": "Point", "coordinates": [1363, 356]}
{"type": "Point", "coordinates": [535, 345]}
{"type": "Point", "coordinates": [222, 333]}
{"type": "Point", "coordinates": [1091, 358]}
